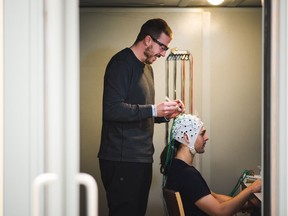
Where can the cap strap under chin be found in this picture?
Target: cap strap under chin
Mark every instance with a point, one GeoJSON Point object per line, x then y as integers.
{"type": "Point", "coordinates": [192, 149]}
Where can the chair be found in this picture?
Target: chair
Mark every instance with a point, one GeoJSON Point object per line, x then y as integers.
{"type": "Point", "coordinates": [173, 202]}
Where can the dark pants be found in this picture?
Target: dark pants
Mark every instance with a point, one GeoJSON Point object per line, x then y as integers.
{"type": "Point", "coordinates": [127, 186]}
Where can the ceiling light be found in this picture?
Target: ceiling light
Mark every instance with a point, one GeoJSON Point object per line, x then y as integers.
{"type": "Point", "coordinates": [215, 2]}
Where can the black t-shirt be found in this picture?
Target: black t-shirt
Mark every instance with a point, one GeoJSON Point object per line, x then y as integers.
{"type": "Point", "coordinates": [190, 183]}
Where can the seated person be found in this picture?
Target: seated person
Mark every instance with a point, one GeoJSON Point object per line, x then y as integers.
{"type": "Point", "coordinates": [188, 137]}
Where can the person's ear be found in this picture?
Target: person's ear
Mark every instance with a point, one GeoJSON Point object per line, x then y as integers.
{"type": "Point", "coordinates": [147, 40]}
{"type": "Point", "coordinates": [186, 138]}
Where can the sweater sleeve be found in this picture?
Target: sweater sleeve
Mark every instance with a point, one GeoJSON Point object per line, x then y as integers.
{"type": "Point", "coordinates": [120, 82]}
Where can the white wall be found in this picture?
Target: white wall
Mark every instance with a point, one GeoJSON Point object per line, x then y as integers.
{"type": "Point", "coordinates": [226, 47]}
{"type": "Point", "coordinates": [235, 97]}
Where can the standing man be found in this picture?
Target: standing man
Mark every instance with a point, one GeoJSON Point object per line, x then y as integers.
{"type": "Point", "coordinates": [129, 113]}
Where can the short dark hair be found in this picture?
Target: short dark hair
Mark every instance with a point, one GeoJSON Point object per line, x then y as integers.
{"type": "Point", "coordinates": [154, 27]}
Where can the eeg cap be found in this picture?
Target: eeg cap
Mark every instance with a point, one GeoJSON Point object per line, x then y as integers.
{"type": "Point", "coordinates": [189, 124]}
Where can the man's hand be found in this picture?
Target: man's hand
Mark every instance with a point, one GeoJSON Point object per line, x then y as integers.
{"type": "Point", "coordinates": [170, 109]}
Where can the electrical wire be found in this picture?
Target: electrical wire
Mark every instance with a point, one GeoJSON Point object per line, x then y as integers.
{"type": "Point", "coordinates": [169, 156]}
{"type": "Point", "coordinates": [240, 181]}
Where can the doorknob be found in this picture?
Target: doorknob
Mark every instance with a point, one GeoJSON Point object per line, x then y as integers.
{"type": "Point", "coordinates": [92, 192]}
{"type": "Point", "coordinates": [38, 182]}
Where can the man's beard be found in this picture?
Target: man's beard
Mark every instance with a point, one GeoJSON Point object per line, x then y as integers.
{"type": "Point", "coordinates": [150, 58]}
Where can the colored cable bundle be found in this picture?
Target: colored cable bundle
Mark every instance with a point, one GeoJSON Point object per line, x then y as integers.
{"type": "Point", "coordinates": [169, 157]}
{"type": "Point", "coordinates": [240, 181]}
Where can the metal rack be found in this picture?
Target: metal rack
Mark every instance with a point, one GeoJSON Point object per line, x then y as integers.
{"type": "Point", "coordinates": [179, 79]}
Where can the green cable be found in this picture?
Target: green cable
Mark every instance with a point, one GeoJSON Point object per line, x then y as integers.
{"type": "Point", "coordinates": [239, 182]}
{"type": "Point", "coordinates": [169, 155]}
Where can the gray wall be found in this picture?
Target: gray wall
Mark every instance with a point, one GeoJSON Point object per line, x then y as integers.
{"type": "Point", "coordinates": [226, 47]}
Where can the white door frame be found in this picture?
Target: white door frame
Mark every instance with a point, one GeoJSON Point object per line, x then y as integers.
{"type": "Point", "coordinates": [279, 107]}
{"type": "Point", "coordinates": [41, 104]}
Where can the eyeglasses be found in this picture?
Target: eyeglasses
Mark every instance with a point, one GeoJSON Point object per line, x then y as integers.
{"type": "Point", "coordinates": [163, 46]}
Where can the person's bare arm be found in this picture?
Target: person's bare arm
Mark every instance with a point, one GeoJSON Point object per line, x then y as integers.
{"type": "Point", "coordinates": [220, 197]}
{"type": "Point", "coordinates": [223, 205]}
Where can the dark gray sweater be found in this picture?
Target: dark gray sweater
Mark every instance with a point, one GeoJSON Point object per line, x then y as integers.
{"type": "Point", "coordinates": [128, 124]}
